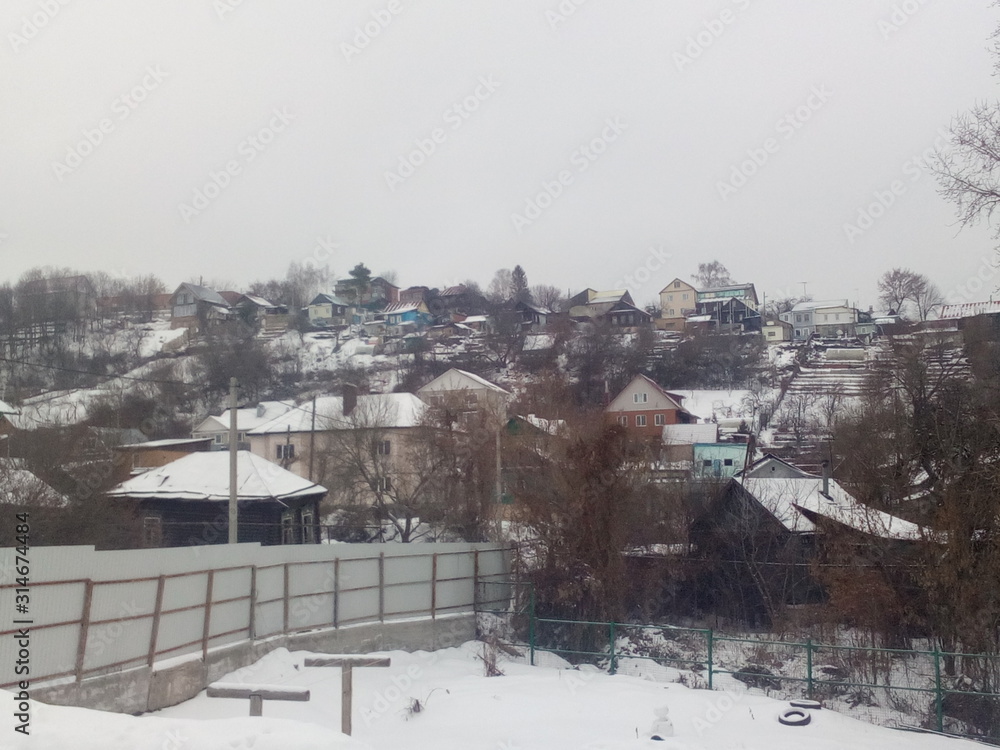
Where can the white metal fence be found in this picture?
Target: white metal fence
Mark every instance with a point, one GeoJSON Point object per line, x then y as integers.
{"type": "Point", "coordinates": [96, 612]}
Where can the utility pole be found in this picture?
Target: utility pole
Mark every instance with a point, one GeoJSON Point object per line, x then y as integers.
{"type": "Point", "coordinates": [233, 435]}
{"type": "Point", "coordinates": [312, 440]}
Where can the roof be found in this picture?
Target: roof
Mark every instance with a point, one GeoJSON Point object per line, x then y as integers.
{"type": "Point", "coordinates": [247, 418]}
{"type": "Point", "coordinates": [727, 288]}
{"type": "Point", "coordinates": [395, 308]}
{"type": "Point", "coordinates": [452, 291]}
{"type": "Point", "coordinates": [157, 444]}
{"type": "Point", "coordinates": [231, 297]}
{"type": "Point", "coordinates": [549, 426]}
{"type": "Point", "coordinates": [969, 309]}
{"type": "Point", "coordinates": [689, 434]}
{"type": "Point", "coordinates": [795, 502]}
{"type": "Point", "coordinates": [205, 476]}
{"type": "Point", "coordinates": [672, 398]}
{"type": "Point", "coordinates": [816, 305]}
{"type": "Point", "coordinates": [204, 294]}
{"type": "Point", "coordinates": [259, 301]}
{"type": "Point", "coordinates": [535, 308]}
{"type": "Point", "coordinates": [20, 486]}
{"type": "Point", "coordinates": [452, 381]}
{"type": "Point", "coordinates": [382, 410]}
{"type": "Point", "coordinates": [332, 299]}
{"type": "Point", "coordinates": [6, 408]}
{"type": "Point", "coordinates": [614, 295]}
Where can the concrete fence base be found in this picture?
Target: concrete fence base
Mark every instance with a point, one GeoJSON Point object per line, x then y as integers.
{"type": "Point", "coordinates": [136, 691]}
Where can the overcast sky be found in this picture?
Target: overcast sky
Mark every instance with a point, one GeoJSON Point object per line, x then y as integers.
{"type": "Point", "coordinates": [595, 142]}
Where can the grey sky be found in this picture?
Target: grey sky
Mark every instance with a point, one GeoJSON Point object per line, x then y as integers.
{"type": "Point", "coordinates": [510, 100]}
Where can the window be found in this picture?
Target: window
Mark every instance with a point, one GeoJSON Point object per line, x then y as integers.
{"type": "Point", "coordinates": [382, 447]}
{"type": "Point", "coordinates": [684, 296]}
{"type": "Point", "coordinates": [218, 438]}
{"type": "Point", "coordinates": [677, 284]}
{"type": "Point", "coordinates": [728, 462]}
{"type": "Point", "coordinates": [623, 421]}
{"type": "Point", "coordinates": [707, 463]}
{"type": "Point", "coordinates": [286, 451]}
{"type": "Point", "coordinates": [659, 420]}
{"type": "Point", "coordinates": [640, 398]}
{"type": "Point", "coordinates": [640, 420]}
{"type": "Point", "coordinates": [383, 484]}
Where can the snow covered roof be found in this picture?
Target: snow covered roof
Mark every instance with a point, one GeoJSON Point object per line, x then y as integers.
{"type": "Point", "coordinates": [537, 342]}
{"type": "Point", "coordinates": [259, 301]}
{"type": "Point", "coordinates": [205, 476]}
{"type": "Point", "coordinates": [320, 299]}
{"type": "Point", "coordinates": [969, 309]}
{"type": "Point", "coordinates": [689, 434]}
{"type": "Point", "coordinates": [247, 418]}
{"type": "Point", "coordinates": [456, 380]}
{"type": "Point", "coordinates": [794, 502]}
{"type": "Point", "coordinates": [385, 410]}
{"type": "Point", "coordinates": [156, 444]}
{"type": "Point", "coordinates": [395, 308]}
{"type": "Point", "coordinates": [550, 426]}
{"type": "Point", "coordinates": [6, 408]}
{"type": "Point", "coordinates": [205, 294]}
{"type": "Point", "coordinates": [816, 305]}
{"type": "Point", "coordinates": [19, 486]}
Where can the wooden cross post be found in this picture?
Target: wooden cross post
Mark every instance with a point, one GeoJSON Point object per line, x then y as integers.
{"type": "Point", "coordinates": [257, 694]}
{"type": "Point", "coordinates": [346, 665]}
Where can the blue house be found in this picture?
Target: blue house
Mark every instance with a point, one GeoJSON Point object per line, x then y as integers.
{"type": "Point", "coordinates": [718, 460]}
{"type": "Point", "coordinates": [406, 315]}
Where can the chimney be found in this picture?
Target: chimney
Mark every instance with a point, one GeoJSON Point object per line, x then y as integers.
{"type": "Point", "coordinates": [826, 478]}
{"type": "Point", "coordinates": [350, 398]}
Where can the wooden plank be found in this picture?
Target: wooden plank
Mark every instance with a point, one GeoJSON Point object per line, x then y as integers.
{"type": "Point", "coordinates": [346, 697]}
{"type": "Point", "coordinates": [208, 614]}
{"type": "Point", "coordinates": [252, 629]}
{"type": "Point", "coordinates": [336, 593]}
{"type": "Point", "coordinates": [155, 630]}
{"type": "Point", "coordinates": [81, 647]}
{"type": "Point", "coordinates": [256, 704]}
{"type": "Point", "coordinates": [354, 661]}
{"type": "Point", "coordinates": [267, 692]}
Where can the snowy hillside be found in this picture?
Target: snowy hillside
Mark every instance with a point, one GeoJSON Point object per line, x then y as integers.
{"type": "Point", "coordinates": [443, 701]}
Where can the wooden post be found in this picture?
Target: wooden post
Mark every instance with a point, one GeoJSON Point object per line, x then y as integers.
{"type": "Point", "coordinates": [257, 694]}
{"type": "Point", "coordinates": [346, 665]}
{"type": "Point", "coordinates": [434, 586]}
{"type": "Point", "coordinates": [208, 615]}
{"type": "Point", "coordinates": [381, 586]}
{"type": "Point", "coordinates": [81, 648]}
{"type": "Point", "coordinates": [151, 657]}
{"type": "Point", "coordinates": [475, 578]}
{"type": "Point", "coordinates": [336, 593]}
{"type": "Point", "coordinates": [284, 602]}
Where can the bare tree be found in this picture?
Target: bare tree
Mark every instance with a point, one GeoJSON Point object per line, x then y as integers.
{"type": "Point", "coordinates": [546, 295]}
{"type": "Point", "coordinates": [969, 172]}
{"type": "Point", "coordinates": [712, 275]}
{"type": "Point", "coordinates": [501, 288]}
{"type": "Point", "coordinates": [903, 290]}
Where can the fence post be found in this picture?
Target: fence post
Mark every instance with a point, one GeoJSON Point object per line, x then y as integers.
{"type": "Point", "coordinates": [206, 630]}
{"type": "Point", "coordinates": [711, 645]}
{"type": "Point", "coordinates": [336, 593]}
{"type": "Point", "coordinates": [155, 629]}
{"type": "Point", "coordinates": [252, 629]}
{"type": "Point", "coordinates": [284, 601]}
{"type": "Point", "coordinates": [611, 635]}
{"type": "Point", "coordinates": [81, 648]}
{"type": "Point", "coordinates": [531, 624]}
{"type": "Point", "coordinates": [434, 586]}
{"type": "Point", "coordinates": [809, 668]}
{"type": "Point", "coordinates": [381, 586]}
{"type": "Point", "coordinates": [938, 698]}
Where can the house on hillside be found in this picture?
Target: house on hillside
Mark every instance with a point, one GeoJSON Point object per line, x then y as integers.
{"type": "Point", "coordinates": [198, 309]}
{"type": "Point", "coordinates": [533, 317]}
{"type": "Point", "coordinates": [261, 314]}
{"type": "Point", "coordinates": [376, 294]}
{"type": "Point", "coordinates": [762, 531]}
{"type": "Point", "coordinates": [615, 307]}
{"type": "Point", "coordinates": [465, 391]}
{"type": "Point", "coordinates": [455, 303]}
{"type": "Point", "coordinates": [136, 458]}
{"type": "Point", "coordinates": [186, 502]}
{"type": "Point", "coordinates": [328, 310]}
{"type": "Point", "coordinates": [414, 294]}
{"type": "Point", "coordinates": [405, 317]}
{"type": "Point", "coordinates": [731, 309]}
{"type": "Point", "coordinates": [248, 418]}
{"type": "Point", "coordinates": [776, 331]}
{"type": "Point", "coordinates": [678, 301]}
{"type": "Point", "coordinates": [824, 318]}
{"type": "Point", "coordinates": [645, 408]}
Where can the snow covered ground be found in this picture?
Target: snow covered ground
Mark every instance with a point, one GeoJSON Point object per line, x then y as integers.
{"type": "Point", "coordinates": [442, 700]}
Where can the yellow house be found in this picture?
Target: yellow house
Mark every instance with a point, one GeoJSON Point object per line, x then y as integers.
{"type": "Point", "coordinates": [678, 299]}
